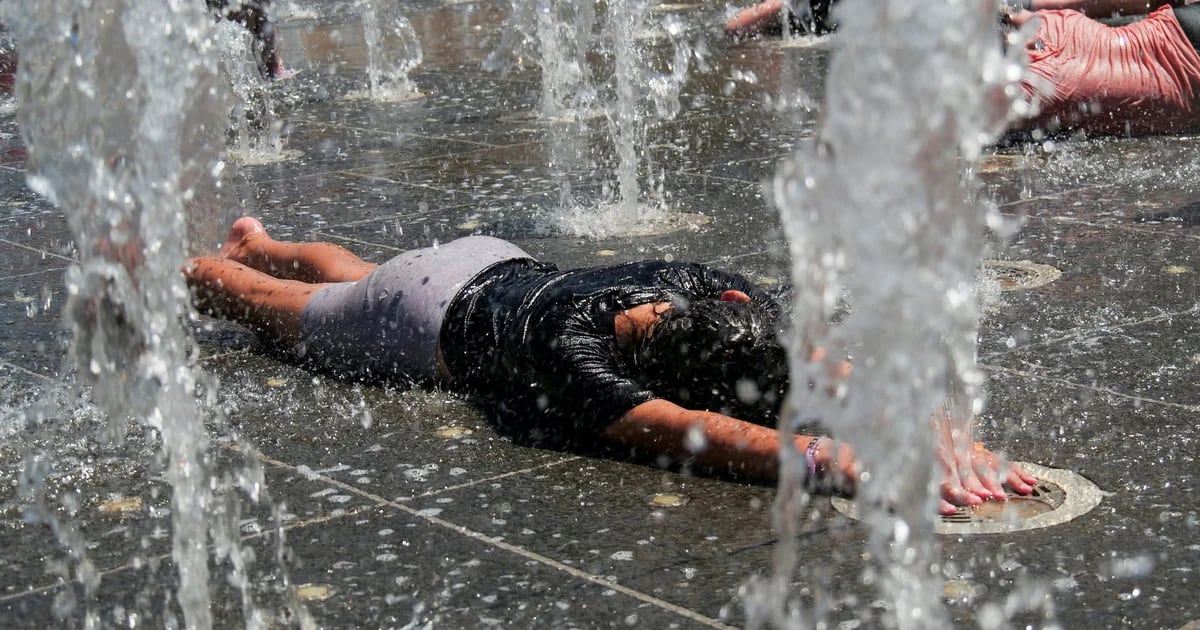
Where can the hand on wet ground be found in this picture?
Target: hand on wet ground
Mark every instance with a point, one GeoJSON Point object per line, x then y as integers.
{"type": "Point", "coordinates": [978, 475]}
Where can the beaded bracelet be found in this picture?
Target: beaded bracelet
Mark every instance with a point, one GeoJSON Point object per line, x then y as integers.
{"type": "Point", "coordinates": [810, 454]}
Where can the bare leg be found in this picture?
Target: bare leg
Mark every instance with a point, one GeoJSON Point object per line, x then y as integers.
{"type": "Point", "coordinates": [269, 306]}
{"type": "Point", "coordinates": [249, 244]}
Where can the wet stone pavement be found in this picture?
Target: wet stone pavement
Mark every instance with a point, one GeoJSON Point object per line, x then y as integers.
{"type": "Point", "coordinates": [401, 507]}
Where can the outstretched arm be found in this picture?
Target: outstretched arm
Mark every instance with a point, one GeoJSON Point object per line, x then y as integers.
{"type": "Point", "coordinates": [723, 443]}
{"type": "Point", "coordinates": [747, 449]}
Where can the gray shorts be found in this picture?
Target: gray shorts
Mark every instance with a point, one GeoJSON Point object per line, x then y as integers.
{"type": "Point", "coordinates": [388, 323]}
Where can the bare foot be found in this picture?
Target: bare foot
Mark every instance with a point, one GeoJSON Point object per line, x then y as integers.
{"type": "Point", "coordinates": [242, 239]}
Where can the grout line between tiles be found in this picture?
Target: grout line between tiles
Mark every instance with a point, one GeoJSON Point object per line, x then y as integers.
{"type": "Point", "coordinates": [1095, 388]}
{"type": "Point", "coordinates": [1077, 333]}
{"type": "Point", "coordinates": [509, 547]}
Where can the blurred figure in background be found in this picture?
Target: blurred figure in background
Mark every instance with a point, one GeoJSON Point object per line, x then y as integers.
{"type": "Point", "coordinates": [255, 16]}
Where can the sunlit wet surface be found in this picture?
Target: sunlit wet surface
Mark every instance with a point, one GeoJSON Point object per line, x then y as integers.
{"type": "Point", "coordinates": [405, 505]}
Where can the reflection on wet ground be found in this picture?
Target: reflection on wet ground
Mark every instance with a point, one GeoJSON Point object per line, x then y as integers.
{"type": "Point", "coordinates": [401, 505]}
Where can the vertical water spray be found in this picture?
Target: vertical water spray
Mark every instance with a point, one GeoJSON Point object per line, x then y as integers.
{"type": "Point", "coordinates": [114, 95]}
{"type": "Point", "coordinates": [564, 35]}
{"type": "Point", "coordinates": [254, 130]}
{"type": "Point", "coordinates": [8, 59]}
{"type": "Point", "coordinates": [625, 19]}
{"type": "Point", "coordinates": [640, 96]}
{"type": "Point", "coordinates": [558, 34]}
{"type": "Point", "coordinates": [393, 51]}
{"type": "Point", "coordinates": [880, 209]}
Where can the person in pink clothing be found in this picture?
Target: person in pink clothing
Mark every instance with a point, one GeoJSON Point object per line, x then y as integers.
{"type": "Point", "coordinates": [1099, 66]}
{"type": "Point", "coordinates": [1138, 76]}
{"type": "Point", "coordinates": [256, 17]}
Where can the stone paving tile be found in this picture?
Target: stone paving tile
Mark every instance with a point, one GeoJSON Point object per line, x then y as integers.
{"type": "Point", "coordinates": [597, 516]}
{"type": "Point", "coordinates": [485, 118]}
{"type": "Point", "coordinates": [145, 596]}
{"type": "Point", "coordinates": [113, 504]}
{"type": "Point", "coordinates": [298, 208]}
{"type": "Point", "coordinates": [394, 442]}
{"type": "Point", "coordinates": [535, 225]}
{"type": "Point", "coordinates": [716, 145]}
{"type": "Point", "coordinates": [1154, 360]}
{"type": "Point", "coordinates": [421, 567]}
{"type": "Point", "coordinates": [21, 396]}
{"type": "Point", "coordinates": [31, 310]}
{"type": "Point", "coordinates": [416, 570]}
{"type": "Point", "coordinates": [1108, 437]}
{"type": "Point", "coordinates": [33, 240]}
{"type": "Point", "coordinates": [1140, 548]}
{"type": "Point", "coordinates": [483, 174]}
{"type": "Point", "coordinates": [1103, 268]}
{"type": "Point", "coordinates": [327, 38]}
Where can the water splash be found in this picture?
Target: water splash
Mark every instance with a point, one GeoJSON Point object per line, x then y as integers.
{"type": "Point", "coordinates": [8, 59]}
{"type": "Point", "coordinates": [117, 114]}
{"type": "Point", "coordinates": [255, 130]}
{"type": "Point", "coordinates": [641, 97]}
{"type": "Point", "coordinates": [558, 35]}
{"type": "Point", "coordinates": [625, 18]}
{"type": "Point", "coordinates": [564, 35]}
{"type": "Point", "coordinates": [393, 52]}
{"type": "Point", "coordinates": [882, 210]}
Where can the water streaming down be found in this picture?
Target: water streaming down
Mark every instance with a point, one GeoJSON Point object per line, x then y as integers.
{"type": "Point", "coordinates": [255, 131]}
{"type": "Point", "coordinates": [393, 51]}
{"type": "Point", "coordinates": [568, 94]}
{"type": "Point", "coordinates": [641, 96]}
{"type": "Point", "coordinates": [625, 18]}
{"type": "Point", "coordinates": [633, 97]}
{"type": "Point", "coordinates": [116, 114]}
{"type": "Point", "coordinates": [558, 34]}
{"type": "Point", "coordinates": [564, 35]}
{"type": "Point", "coordinates": [881, 209]}
{"type": "Point", "coordinates": [8, 55]}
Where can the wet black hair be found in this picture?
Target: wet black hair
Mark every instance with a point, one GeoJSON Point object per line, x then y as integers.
{"type": "Point", "coordinates": [718, 356]}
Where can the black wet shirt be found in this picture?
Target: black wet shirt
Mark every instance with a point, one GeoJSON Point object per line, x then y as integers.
{"type": "Point", "coordinates": [538, 346]}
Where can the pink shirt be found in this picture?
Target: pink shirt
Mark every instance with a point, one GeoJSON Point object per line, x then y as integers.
{"type": "Point", "coordinates": [1135, 79]}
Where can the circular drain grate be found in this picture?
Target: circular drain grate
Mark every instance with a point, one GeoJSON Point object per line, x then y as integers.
{"type": "Point", "coordinates": [1019, 275]}
{"type": "Point", "coordinates": [1060, 496]}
